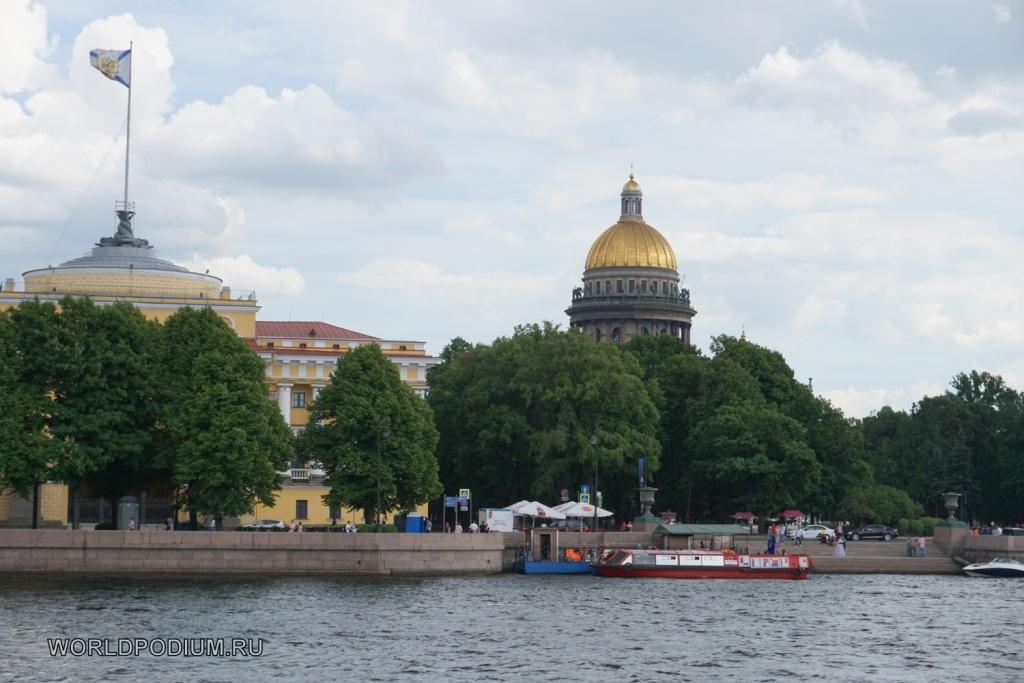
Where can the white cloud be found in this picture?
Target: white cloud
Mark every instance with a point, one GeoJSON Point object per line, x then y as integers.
{"type": "Point", "coordinates": [1000, 12]}
{"type": "Point", "coordinates": [24, 46]}
{"type": "Point", "coordinates": [856, 402]}
{"type": "Point", "coordinates": [854, 9]}
{"type": "Point", "coordinates": [244, 274]}
{"type": "Point", "coordinates": [834, 75]}
{"type": "Point", "coordinates": [299, 138]}
{"type": "Point", "coordinates": [493, 296]}
{"type": "Point", "coordinates": [791, 192]}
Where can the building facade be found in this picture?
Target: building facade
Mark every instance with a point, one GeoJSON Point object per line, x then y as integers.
{"type": "Point", "coordinates": [299, 356]}
{"type": "Point", "coordinates": [631, 284]}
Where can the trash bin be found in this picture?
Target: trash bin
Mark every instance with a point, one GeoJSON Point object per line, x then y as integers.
{"type": "Point", "coordinates": [414, 523]}
{"type": "Point", "coordinates": [127, 508]}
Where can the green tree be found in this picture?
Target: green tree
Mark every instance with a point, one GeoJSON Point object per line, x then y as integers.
{"type": "Point", "coordinates": [520, 418]}
{"type": "Point", "coordinates": [28, 335]}
{"type": "Point", "coordinates": [223, 440]}
{"type": "Point", "coordinates": [103, 414]}
{"type": "Point", "coordinates": [368, 426]}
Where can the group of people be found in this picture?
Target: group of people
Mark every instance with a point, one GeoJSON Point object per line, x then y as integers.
{"type": "Point", "coordinates": [916, 547]}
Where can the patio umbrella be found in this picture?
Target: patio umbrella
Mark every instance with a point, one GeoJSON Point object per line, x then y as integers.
{"type": "Point", "coordinates": [791, 514]}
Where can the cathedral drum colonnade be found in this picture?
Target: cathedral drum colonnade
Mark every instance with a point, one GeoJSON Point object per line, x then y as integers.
{"type": "Point", "coordinates": [631, 281]}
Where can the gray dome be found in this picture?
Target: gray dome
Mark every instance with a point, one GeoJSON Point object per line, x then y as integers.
{"type": "Point", "coordinates": [142, 258]}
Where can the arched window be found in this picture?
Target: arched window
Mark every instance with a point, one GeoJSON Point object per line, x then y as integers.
{"type": "Point", "coordinates": [644, 332]}
{"type": "Point", "coordinates": [597, 334]}
{"type": "Point", "coordinates": [616, 334]}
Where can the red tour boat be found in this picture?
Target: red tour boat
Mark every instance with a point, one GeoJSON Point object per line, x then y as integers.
{"type": "Point", "coordinates": [701, 564]}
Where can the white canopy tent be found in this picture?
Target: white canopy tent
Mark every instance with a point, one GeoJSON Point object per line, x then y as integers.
{"type": "Point", "coordinates": [537, 510]}
{"type": "Point", "coordinates": [582, 510]}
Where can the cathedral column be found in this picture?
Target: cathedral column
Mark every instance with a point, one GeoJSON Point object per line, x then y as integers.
{"type": "Point", "coordinates": [284, 402]}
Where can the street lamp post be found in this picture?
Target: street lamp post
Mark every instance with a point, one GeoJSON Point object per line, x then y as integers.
{"type": "Point", "coordinates": [382, 432]}
{"type": "Point", "coordinates": [594, 442]}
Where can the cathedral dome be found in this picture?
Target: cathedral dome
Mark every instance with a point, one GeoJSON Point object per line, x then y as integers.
{"type": "Point", "coordinates": [631, 243]}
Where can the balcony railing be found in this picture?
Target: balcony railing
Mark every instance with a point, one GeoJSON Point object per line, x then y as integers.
{"type": "Point", "coordinates": [300, 474]}
{"type": "Point", "coordinates": [683, 299]}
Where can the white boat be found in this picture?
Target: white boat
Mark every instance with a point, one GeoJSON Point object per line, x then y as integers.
{"type": "Point", "coordinates": [997, 568]}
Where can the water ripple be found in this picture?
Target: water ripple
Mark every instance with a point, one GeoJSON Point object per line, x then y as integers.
{"type": "Point", "coordinates": [835, 628]}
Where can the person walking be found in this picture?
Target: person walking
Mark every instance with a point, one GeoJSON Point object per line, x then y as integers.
{"type": "Point", "coordinates": [910, 547]}
{"type": "Point", "coordinates": [921, 546]}
{"type": "Point", "coordinates": [798, 537]}
{"type": "Point", "coordinates": [840, 550]}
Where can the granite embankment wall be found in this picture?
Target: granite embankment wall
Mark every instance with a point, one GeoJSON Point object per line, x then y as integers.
{"type": "Point", "coordinates": [235, 552]}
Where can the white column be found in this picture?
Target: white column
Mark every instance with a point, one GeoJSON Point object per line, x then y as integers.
{"type": "Point", "coordinates": [284, 402]}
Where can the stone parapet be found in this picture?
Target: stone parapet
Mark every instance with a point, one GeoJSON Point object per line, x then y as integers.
{"type": "Point", "coordinates": [229, 552]}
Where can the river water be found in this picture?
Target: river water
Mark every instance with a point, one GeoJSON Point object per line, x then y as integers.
{"type": "Point", "coordinates": [525, 628]}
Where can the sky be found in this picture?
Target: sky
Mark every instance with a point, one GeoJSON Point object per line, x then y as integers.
{"type": "Point", "coordinates": [842, 179]}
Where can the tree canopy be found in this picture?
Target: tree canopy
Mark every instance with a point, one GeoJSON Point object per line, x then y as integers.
{"type": "Point", "coordinates": [225, 441]}
{"type": "Point", "coordinates": [368, 423]}
{"type": "Point", "coordinates": [534, 413]}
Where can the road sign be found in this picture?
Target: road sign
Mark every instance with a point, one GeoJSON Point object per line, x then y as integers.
{"type": "Point", "coordinates": [463, 502]}
{"type": "Point", "coordinates": [450, 501]}
{"type": "Point", "coordinates": [463, 493]}
{"type": "Point", "coordinates": [584, 488]}
{"type": "Point", "coordinates": [584, 497]}
{"type": "Point", "coordinates": [565, 495]}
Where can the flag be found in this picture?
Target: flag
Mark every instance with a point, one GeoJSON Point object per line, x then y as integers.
{"type": "Point", "coordinates": [114, 64]}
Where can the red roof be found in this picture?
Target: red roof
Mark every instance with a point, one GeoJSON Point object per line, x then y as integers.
{"type": "Point", "coordinates": [279, 329]}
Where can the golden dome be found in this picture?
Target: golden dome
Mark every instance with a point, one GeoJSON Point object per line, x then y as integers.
{"type": "Point", "coordinates": [631, 243]}
{"type": "Point", "coordinates": [631, 185]}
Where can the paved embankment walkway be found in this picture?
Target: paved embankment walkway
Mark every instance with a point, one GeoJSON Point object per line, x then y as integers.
{"type": "Point", "coordinates": [867, 557]}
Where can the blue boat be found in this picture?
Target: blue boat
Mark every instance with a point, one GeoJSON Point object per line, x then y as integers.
{"type": "Point", "coordinates": [552, 567]}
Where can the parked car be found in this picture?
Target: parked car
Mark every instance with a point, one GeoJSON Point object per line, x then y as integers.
{"type": "Point", "coordinates": [879, 531]}
{"type": "Point", "coordinates": [812, 531]}
{"type": "Point", "coordinates": [266, 525]}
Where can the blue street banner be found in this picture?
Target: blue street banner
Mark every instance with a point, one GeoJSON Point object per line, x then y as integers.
{"type": "Point", "coordinates": [642, 466]}
{"type": "Point", "coordinates": [450, 501]}
{"type": "Point", "coordinates": [584, 488]}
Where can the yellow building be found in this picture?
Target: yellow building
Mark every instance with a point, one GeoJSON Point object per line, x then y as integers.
{"type": "Point", "coordinates": [299, 356]}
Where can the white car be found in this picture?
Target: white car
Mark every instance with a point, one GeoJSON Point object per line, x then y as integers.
{"type": "Point", "coordinates": [812, 531]}
{"type": "Point", "coordinates": [266, 525]}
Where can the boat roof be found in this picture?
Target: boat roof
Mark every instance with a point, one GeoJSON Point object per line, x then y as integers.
{"type": "Point", "coordinates": [702, 529]}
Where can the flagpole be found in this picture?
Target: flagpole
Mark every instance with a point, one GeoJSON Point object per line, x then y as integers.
{"type": "Point", "coordinates": [128, 131]}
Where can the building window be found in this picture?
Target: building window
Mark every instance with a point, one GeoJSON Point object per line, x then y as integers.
{"type": "Point", "coordinates": [632, 286]}
{"type": "Point", "coordinates": [402, 347]}
{"type": "Point", "coordinates": [302, 345]}
{"type": "Point", "coordinates": [301, 509]}
{"type": "Point", "coordinates": [643, 286]}
{"type": "Point", "coordinates": [664, 289]}
{"type": "Point", "coordinates": [618, 287]}
{"type": "Point", "coordinates": [597, 334]}
{"type": "Point", "coordinates": [335, 346]}
{"type": "Point", "coordinates": [597, 287]}
{"type": "Point", "coordinates": [298, 399]}
{"type": "Point", "coordinates": [644, 332]}
{"type": "Point", "coordinates": [607, 286]}
{"type": "Point", "coordinates": [616, 333]}
{"type": "Point", "coordinates": [270, 345]}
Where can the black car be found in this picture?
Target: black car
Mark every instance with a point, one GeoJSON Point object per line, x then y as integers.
{"type": "Point", "coordinates": [879, 531]}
